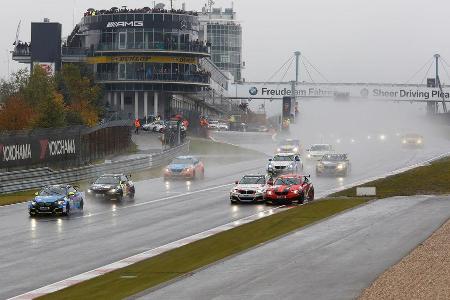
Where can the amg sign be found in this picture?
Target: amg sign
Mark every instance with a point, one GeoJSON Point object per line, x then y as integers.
{"type": "Point", "coordinates": [125, 24]}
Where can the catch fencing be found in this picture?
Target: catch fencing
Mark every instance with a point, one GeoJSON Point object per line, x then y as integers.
{"type": "Point", "coordinates": [36, 178]}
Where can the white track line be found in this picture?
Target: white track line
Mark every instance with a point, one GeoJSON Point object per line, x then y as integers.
{"type": "Point", "coordinates": [145, 255]}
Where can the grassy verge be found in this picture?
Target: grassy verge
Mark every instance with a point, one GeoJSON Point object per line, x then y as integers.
{"type": "Point", "coordinates": [152, 272]}
{"type": "Point", "coordinates": [433, 179]}
{"type": "Point", "coordinates": [16, 197]}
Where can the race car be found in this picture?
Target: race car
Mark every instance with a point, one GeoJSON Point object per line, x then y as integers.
{"type": "Point", "coordinates": [289, 146]}
{"type": "Point", "coordinates": [187, 167]}
{"type": "Point", "coordinates": [56, 199]}
{"type": "Point", "coordinates": [250, 189]}
{"type": "Point", "coordinates": [334, 165]}
{"type": "Point", "coordinates": [412, 140]}
{"type": "Point", "coordinates": [112, 186]}
{"type": "Point", "coordinates": [284, 162]}
{"type": "Point", "coordinates": [290, 188]}
{"type": "Point", "coordinates": [317, 151]}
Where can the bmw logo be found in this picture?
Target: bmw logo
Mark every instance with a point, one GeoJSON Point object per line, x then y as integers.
{"type": "Point", "coordinates": [253, 91]}
{"type": "Point", "coordinates": [364, 93]}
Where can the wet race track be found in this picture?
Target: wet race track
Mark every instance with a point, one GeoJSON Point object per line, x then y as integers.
{"type": "Point", "coordinates": [40, 251]}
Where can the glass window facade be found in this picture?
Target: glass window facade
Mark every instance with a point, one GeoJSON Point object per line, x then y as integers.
{"type": "Point", "coordinates": [226, 47]}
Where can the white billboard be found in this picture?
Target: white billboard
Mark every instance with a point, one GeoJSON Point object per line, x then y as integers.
{"type": "Point", "coordinates": [360, 91]}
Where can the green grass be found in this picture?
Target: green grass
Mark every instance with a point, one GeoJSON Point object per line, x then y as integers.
{"type": "Point", "coordinates": [433, 179]}
{"type": "Point", "coordinates": [154, 271]}
{"type": "Point", "coordinates": [16, 197]}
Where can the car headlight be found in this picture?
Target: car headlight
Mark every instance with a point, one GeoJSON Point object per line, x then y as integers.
{"type": "Point", "coordinates": [260, 191]}
{"type": "Point", "coordinates": [89, 191]}
{"type": "Point", "coordinates": [295, 149]}
{"type": "Point", "coordinates": [270, 166]}
{"type": "Point", "coordinates": [419, 141]}
{"type": "Point", "coordinates": [296, 192]}
{"type": "Point", "coordinates": [279, 150]}
{"type": "Point", "coordinates": [33, 203]}
{"type": "Point", "coordinates": [290, 166]}
{"type": "Point", "coordinates": [113, 191]}
{"type": "Point", "coordinates": [320, 166]}
{"type": "Point", "coordinates": [404, 141]}
{"type": "Point", "coordinates": [60, 202]}
{"type": "Point", "coordinates": [269, 193]}
{"type": "Point", "coordinates": [309, 155]}
{"type": "Point", "coordinates": [340, 166]}
{"type": "Point", "coordinates": [188, 170]}
{"type": "Point", "coordinates": [167, 170]}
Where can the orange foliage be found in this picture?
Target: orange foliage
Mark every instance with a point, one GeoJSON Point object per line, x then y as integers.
{"type": "Point", "coordinates": [88, 113]}
{"type": "Point", "coordinates": [16, 114]}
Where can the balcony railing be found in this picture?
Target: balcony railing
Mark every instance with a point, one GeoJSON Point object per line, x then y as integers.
{"type": "Point", "coordinates": [68, 51]}
{"type": "Point", "coordinates": [155, 46]}
{"type": "Point", "coordinates": [173, 77]}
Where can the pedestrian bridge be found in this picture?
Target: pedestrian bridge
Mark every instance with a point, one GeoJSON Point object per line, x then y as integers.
{"type": "Point", "coordinates": [340, 91]}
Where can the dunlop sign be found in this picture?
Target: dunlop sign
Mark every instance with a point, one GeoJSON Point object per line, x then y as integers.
{"type": "Point", "coordinates": [142, 59]}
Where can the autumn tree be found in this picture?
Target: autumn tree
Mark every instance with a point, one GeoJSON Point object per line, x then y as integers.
{"type": "Point", "coordinates": [81, 95]}
{"type": "Point", "coordinates": [42, 95]}
{"type": "Point", "coordinates": [16, 114]}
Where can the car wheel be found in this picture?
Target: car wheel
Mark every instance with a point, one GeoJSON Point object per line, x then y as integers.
{"type": "Point", "coordinates": [310, 195]}
{"type": "Point", "coordinates": [120, 197]}
{"type": "Point", "coordinates": [131, 195]}
{"type": "Point", "coordinates": [301, 198]}
{"type": "Point", "coordinates": [67, 210]}
{"type": "Point", "coordinates": [82, 204]}
{"type": "Point", "coordinates": [202, 176]}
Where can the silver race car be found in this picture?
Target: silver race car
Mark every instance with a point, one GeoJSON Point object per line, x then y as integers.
{"type": "Point", "coordinates": [284, 163]}
{"type": "Point", "coordinates": [333, 165]}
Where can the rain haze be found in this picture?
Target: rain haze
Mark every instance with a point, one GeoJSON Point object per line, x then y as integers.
{"type": "Point", "coordinates": [348, 40]}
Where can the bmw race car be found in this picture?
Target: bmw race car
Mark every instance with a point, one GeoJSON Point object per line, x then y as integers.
{"type": "Point", "coordinates": [334, 165]}
{"type": "Point", "coordinates": [284, 162]}
{"type": "Point", "coordinates": [290, 188]}
{"type": "Point", "coordinates": [412, 140]}
{"type": "Point", "coordinates": [250, 189]}
{"type": "Point", "coordinates": [56, 199]}
{"type": "Point", "coordinates": [289, 146]}
{"type": "Point", "coordinates": [317, 151]}
{"type": "Point", "coordinates": [186, 167]}
{"type": "Point", "coordinates": [112, 186]}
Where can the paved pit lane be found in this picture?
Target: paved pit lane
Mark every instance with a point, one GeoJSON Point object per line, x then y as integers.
{"type": "Point", "coordinates": [333, 259]}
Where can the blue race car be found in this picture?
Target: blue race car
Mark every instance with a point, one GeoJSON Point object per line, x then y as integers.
{"type": "Point", "coordinates": [56, 199]}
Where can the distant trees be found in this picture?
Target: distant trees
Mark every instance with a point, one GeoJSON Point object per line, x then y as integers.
{"type": "Point", "coordinates": [43, 101]}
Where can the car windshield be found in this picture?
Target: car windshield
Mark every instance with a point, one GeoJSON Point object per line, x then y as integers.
{"type": "Point", "coordinates": [108, 180]}
{"type": "Point", "coordinates": [253, 180]}
{"type": "Point", "coordinates": [283, 158]}
{"type": "Point", "coordinates": [289, 143]}
{"type": "Point", "coordinates": [334, 157]}
{"type": "Point", "coordinates": [52, 190]}
{"type": "Point", "coordinates": [288, 181]}
{"type": "Point", "coordinates": [320, 148]}
{"type": "Point", "coordinates": [182, 161]}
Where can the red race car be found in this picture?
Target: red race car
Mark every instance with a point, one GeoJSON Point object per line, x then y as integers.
{"type": "Point", "coordinates": [290, 188]}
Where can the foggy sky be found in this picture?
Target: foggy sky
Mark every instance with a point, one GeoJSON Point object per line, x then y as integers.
{"type": "Point", "coordinates": [347, 40]}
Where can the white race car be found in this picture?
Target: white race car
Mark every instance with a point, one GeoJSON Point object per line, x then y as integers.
{"type": "Point", "coordinates": [317, 151]}
{"type": "Point", "coordinates": [213, 125]}
{"type": "Point", "coordinates": [250, 189]}
{"type": "Point", "coordinates": [223, 126]}
{"type": "Point", "coordinates": [157, 126]}
{"type": "Point", "coordinates": [284, 163]}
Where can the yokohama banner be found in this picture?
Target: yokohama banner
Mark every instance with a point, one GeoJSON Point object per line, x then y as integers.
{"type": "Point", "coordinates": [39, 147]}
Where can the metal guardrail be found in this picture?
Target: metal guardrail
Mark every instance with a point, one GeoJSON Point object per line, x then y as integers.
{"type": "Point", "coordinates": [36, 178]}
